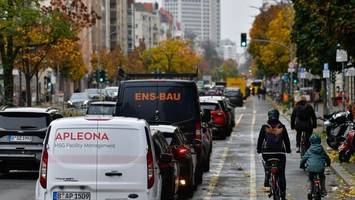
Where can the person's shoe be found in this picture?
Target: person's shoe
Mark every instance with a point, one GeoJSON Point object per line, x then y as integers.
{"type": "Point", "coordinates": [283, 196]}
{"type": "Point", "coordinates": [324, 193]}
{"type": "Point", "coordinates": [309, 196]}
{"type": "Point", "coordinates": [298, 150]}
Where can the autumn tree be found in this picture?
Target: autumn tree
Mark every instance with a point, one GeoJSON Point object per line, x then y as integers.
{"type": "Point", "coordinates": [229, 68]}
{"type": "Point", "coordinates": [173, 55]}
{"type": "Point", "coordinates": [270, 44]}
{"type": "Point", "coordinates": [27, 25]}
{"type": "Point", "coordinates": [135, 60]}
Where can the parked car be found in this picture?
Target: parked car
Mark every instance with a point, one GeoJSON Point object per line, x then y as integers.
{"type": "Point", "coordinates": [220, 124]}
{"type": "Point", "coordinates": [111, 93]}
{"type": "Point", "coordinates": [184, 154]}
{"type": "Point", "coordinates": [170, 171]}
{"type": "Point", "coordinates": [101, 108]}
{"type": "Point", "coordinates": [79, 100]}
{"type": "Point", "coordinates": [235, 96]}
{"type": "Point", "coordinates": [99, 157]}
{"type": "Point", "coordinates": [22, 131]}
{"type": "Point", "coordinates": [173, 102]}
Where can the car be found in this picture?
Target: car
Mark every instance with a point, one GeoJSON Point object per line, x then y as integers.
{"type": "Point", "coordinates": [94, 93]}
{"type": "Point", "coordinates": [101, 108]}
{"type": "Point", "coordinates": [235, 96]}
{"type": "Point", "coordinates": [79, 100]}
{"type": "Point", "coordinates": [225, 107]}
{"type": "Point", "coordinates": [111, 93]}
{"type": "Point", "coordinates": [99, 157]}
{"type": "Point", "coordinates": [22, 131]}
{"type": "Point", "coordinates": [220, 118]}
{"type": "Point", "coordinates": [174, 102]}
{"type": "Point", "coordinates": [185, 156]}
{"type": "Point", "coordinates": [170, 171]}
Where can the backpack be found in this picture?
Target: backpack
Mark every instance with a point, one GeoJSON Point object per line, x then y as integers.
{"type": "Point", "coordinates": [273, 139]}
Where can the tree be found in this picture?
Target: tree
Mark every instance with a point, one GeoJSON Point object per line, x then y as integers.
{"type": "Point", "coordinates": [229, 68]}
{"type": "Point", "coordinates": [20, 19]}
{"type": "Point", "coordinates": [273, 24]}
{"type": "Point", "coordinates": [319, 26]}
{"type": "Point", "coordinates": [210, 54]}
{"type": "Point", "coordinates": [135, 60]}
{"type": "Point", "coordinates": [173, 55]}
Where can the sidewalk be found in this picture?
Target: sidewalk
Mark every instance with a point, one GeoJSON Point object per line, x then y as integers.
{"type": "Point", "coordinates": [346, 171]}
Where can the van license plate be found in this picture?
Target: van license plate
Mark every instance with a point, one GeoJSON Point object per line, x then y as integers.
{"type": "Point", "coordinates": [20, 138]}
{"type": "Point", "coordinates": [71, 195]}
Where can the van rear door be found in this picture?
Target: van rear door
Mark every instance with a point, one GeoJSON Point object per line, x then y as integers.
{"type": "Point", "coordinates": [72, 163]}
{"type": "Point", "coordinates": [122, 163]}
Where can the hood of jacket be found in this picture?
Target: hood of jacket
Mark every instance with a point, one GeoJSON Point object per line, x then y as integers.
{"type": "Point", "coordinates": [316, 149]}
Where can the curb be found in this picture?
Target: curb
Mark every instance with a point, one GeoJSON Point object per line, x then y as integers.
{"type": "Point", "coordinates": [336, 167]}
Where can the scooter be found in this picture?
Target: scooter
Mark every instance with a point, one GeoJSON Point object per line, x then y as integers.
{"type": "Point", "coordinates": [337, 126]}
{"type": "Point", "coordinates": [347, 148]}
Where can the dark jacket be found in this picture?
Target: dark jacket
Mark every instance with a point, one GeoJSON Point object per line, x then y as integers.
{"type": "Point", "coordinates": [267, 132]}
{"type": "Point", "coordinates": [315, 157]}
{"type": "Point", "coordinates": [307, 112]}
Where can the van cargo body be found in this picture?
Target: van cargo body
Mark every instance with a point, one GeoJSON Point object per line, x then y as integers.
{"type": "Point", "coordinates": [97, 158]}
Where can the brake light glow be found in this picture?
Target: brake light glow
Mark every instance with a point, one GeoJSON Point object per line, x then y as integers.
{"type": "Point", "coordinates": [182, 151]}
{"type": "Point", "coordinates": [150, 169]}
{"type": "Point", "coordinates": [44, 169]}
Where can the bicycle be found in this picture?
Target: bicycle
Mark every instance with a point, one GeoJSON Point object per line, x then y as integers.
{"type": "Point", "coordinates": [316, 190]}
{"type": "Point", "coordinates": [273, 169]}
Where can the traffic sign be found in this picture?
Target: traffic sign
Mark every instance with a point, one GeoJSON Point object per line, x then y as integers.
{"type": "Point", "coordinates": [341, 56]}
{"type": "Point", "coordinates": [326, 73]}
{"type": "Point", "coordinates": [326, 66]}
{"type": "Point", "coordinates": [302, 73]}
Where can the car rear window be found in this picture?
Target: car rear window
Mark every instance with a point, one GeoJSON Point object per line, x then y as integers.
{"type": "Point", "coordinates": [23, 121]}
{"type": "Point", "coordinates": [159, 104]}
{"type": "Point", "coordinates": [209, 106]}
{"type": "Point", "coordinates": [101, 110]}
{"type": "Point", "coordinates": [233, 93]}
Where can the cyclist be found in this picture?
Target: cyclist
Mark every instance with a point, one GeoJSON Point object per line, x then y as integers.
{"type": "Point", "coordinates": [303, 119]}
{"type": "Point", "coordinates": [314, 160]}
{"type": "Point", "coordinates": [273, 142]}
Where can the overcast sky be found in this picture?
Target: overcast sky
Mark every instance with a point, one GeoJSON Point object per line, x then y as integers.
{"type": "Point", "coordinates": [237, 17]}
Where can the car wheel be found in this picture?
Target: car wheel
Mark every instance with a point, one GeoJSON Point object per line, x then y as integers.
{"type": "Point", "coordinates": [207, 164]}
{"type": "Point", "coordinates": [198, 176]}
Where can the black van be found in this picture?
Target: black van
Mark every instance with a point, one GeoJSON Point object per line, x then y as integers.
{"type": "Point", "coordinates": [173, 102]}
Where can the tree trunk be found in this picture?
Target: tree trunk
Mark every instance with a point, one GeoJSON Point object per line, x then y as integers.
{"type": "Point", "coordinates": [8, 84]}
{"type": "Point", "coordinates": [28, 90]}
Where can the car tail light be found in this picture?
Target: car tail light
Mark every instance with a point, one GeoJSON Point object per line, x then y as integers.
{"type": "Point", "coordinates": [150, 169]}
{"type": "Point", "coordinates": [44, 169]}
{"type": "Point", "coordinates": [219, 117]}
{"type": "Point", "coordinates": [182, 151]}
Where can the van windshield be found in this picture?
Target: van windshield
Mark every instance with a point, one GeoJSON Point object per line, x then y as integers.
{"type": "Point", "coordinates": [159, 104]}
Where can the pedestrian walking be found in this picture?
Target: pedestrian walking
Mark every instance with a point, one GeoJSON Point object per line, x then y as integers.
{"type": "Point", "coordinates": [273, 140]}
{"type": "Point", "coordinates": [303, 119]}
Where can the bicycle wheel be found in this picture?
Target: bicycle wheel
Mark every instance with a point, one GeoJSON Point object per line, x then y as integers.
{"type": "Point", "coordinates": [276, 192]}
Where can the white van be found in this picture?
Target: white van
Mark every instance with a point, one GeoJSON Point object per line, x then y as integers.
{"type": "Point", "coordinates": [98, 158]}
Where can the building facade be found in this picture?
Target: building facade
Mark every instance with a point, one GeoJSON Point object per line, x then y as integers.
{"type": "Point", "coordinates": [228, 50]}
{"type": "Point", "coordinates": [147, 24]}
{"type": "Point", "coordinates": [110, 31]}
{"type": "Point", "coordinates": [200, 18]}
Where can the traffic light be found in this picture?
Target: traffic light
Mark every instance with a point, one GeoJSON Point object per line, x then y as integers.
{"type": "Point", "coordinates": [243, 39]}
{"type": "Point", "coordinates": [295, 79]}
{"type": "Point", "coordinates": [102, 76]}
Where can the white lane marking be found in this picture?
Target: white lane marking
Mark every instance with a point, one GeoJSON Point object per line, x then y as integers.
{"type": "Point", "coordinates": [215, 177]}
{"type": "Point", "coordinates": [214, 180]}
{"type": "Point", "coordinates": [252, 185]}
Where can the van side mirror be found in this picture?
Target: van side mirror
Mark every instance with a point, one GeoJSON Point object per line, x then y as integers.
{"type": "Point", "coordinates": [206, 116]}
{"type": "Point", "coordinates": [166, 158]}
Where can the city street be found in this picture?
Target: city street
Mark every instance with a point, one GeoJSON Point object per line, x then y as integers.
{"type": "Point", "coordinates": [236, 170]}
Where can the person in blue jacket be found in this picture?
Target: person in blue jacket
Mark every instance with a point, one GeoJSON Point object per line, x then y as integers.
{"type": "Point", "coordinates": [315, 160]}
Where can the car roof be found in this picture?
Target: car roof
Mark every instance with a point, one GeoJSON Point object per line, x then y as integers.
{"type": "Point", "coordinates": [111, 88]}
{"type": "Point", "coordinates": [28, 110]}
{"type": "Point", "coordinates": [168, 81]}
{"type": "Point", "coordinates": [103, 103]}
{"type": "Point", "coordinates": [232, 88]}
{"type": "Point", "coordinates": [94, 119]}
{"type": "Point", "coordinates": [211, 99]}
{"type": "Point", "coordinates": [162, 128]}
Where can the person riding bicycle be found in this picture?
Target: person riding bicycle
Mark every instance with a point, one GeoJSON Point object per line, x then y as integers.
{"type": "Point", "coordinates": [303, 119]}
{"type": "Point", "coordinates": [314, 160]}
{"type": "Point", "coordinates": [273, 142]}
